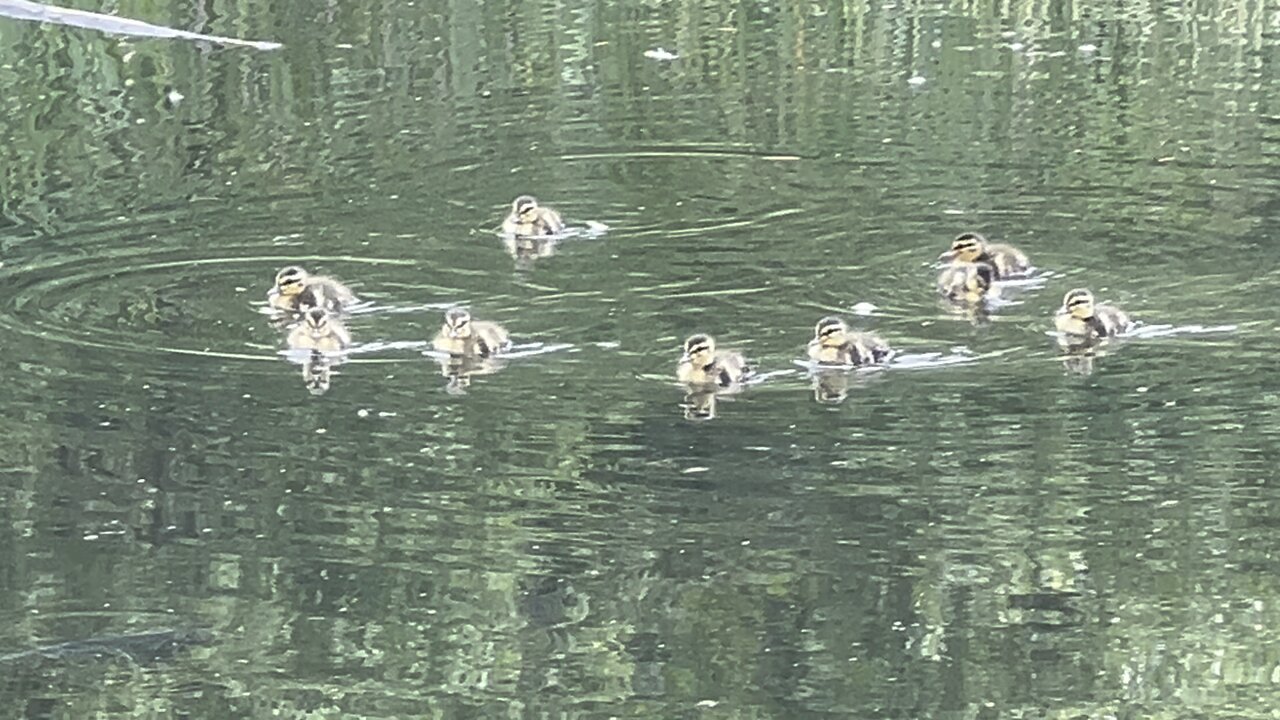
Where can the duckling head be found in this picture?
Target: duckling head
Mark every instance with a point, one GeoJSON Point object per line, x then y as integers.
{"type": "Point", "coordinates": [831, 331]}
{"type": "Point", "coordinates": [524, 205]}
{"type": "Point", "coordinates": [290, 280]}
{"type": "Point", "coordinates": [317, 320]}
{"type": "Point", "coordinates": [457, 323]}
{"type": "Point", "coordinates": [699, 350]}
{"type": "Point", "coordinates": [967, 247]}
{"type": "Point", "coordinates": [1079, 303]}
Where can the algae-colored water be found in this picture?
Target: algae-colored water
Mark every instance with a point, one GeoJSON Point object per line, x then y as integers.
{"type": "Point", "coordinates": [996, 538]}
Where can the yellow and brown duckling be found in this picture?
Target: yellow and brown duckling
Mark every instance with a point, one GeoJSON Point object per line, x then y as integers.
{"type": "Point", "coordinates": [462, 336]}
{"type": "Point", "coordinates": [966, 282]}
{"type": "Point", "coordinates": [527, 217]}
{"type": "Point", "coordinates": [1081, 320]}
{"type": "Point", "coordinates": [703, 364]}
{"type": "Point", "coordinates": [296, 290]}
{"type": "Point", "coordinates": [319, 330]}
{"type": "Point", "coordinates": [834, 343]}
{"type": "Point", "coordinates": [1006, 260]}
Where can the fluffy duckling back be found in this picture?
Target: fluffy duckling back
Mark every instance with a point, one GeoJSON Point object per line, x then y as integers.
{"type": "Point", "coordinates": [296, 289]}
{"type": "Point", "coordinates": [834, 343]}
{"type": "Point", "coordinates": [1082, 320]}
{"type": "Point", "coordinates": [966, 282]}
{"type": "Point", "coordinates": [703, 364]}
{"type": "Point", "coordinates": [319, 330]}
{"type": "Point", "coordinates": [461, 335]}
{"type": "Point", "coordinates": [1006, 260]}
{"type": "Point", "coordinates": [527, 217]}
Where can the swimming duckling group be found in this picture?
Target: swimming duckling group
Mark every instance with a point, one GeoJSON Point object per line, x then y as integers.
{"type": "Point", "coordinates": [969, 277]}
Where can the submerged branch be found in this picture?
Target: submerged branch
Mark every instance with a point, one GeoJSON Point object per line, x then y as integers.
{"type": "Point", "coordinates": [26, 10]}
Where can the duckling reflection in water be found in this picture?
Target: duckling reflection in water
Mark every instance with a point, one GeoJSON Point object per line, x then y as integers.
{"type": "Point", "coordinates": [459, 369]}
{"type": "Point", "coordinates": [321, 332]}
{"type": "Point", "coordinates": [464, 337]}
{"type": "Point", "coordinates": [834, 343]}
{"type": "Point", "coordinates": [527, 217]}
{"type": "Point", "coordinates": [1005, 260]}
{"type": "Point", "coordinates": [296, 290]}
{"type": "Point", "coordinates": [1078, 361]}
{"type": "Point", "coordinates": [699, 404]}
{"type": "Point", "coordinates": [317, 372]}
{"type": "Point", "coordinates": [1082, 321]}
{"type": "Point", "coordinates": [830, 387]}
{"type": "Point", "coordinates": [526, 249]}
{"type": "Point", "coordinates": [702, 364]}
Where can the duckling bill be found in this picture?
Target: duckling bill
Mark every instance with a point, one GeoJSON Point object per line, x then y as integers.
{"type": "Point", "coordinates": [834, 343]}
{"type": "Point", "coordinates": [528, 218]}
{"type": "Point", "coordinates": [1005, 260]}
{"type": "Point", "coordinates": [703, 364]}
{"type": "Point", "coordinates": [1081, 319]}
{"type": "Point", "coordinates": [462, 336]}
{"type": "Point", "coordinates": [296, 289]}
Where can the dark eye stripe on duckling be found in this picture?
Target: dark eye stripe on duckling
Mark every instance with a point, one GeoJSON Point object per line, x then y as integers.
{"type": "Point", "coordinates": [829, 326]}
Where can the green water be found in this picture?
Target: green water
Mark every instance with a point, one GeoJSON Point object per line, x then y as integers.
{"type": "Point", "coordinates": [1001, 538]}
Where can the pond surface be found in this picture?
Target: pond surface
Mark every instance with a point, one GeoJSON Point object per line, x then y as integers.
{"type": "Point", "coordinates": [981, 533]}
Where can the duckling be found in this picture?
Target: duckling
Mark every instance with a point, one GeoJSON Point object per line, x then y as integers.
{"type": "Point", "coordinates": [460, 335]}
{"type": "Point", "coordinates": [529, 218]}
{"type": "Point", "coordinates": [834, 344]}
{"type": "Point", "coordinates": [966, 282]}
{"type": "Point", "coordinates": [296, 290]}
{"type": "Point", "coordinates": [702, 364]}
{"type": "Point", "coordinates": [1006, 260]}
{"type": "Point", "coordinates": [319, 330]}
{"type": "Point", "coordinates": [1080, 318]}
